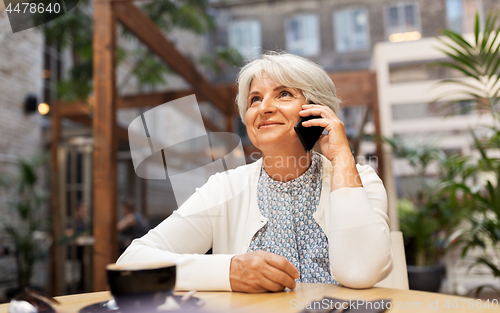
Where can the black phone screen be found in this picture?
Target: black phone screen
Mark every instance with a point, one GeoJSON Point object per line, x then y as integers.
{"type": "Point", "coordinates": [308, 135]}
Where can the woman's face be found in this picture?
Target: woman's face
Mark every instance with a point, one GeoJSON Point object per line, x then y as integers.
{"type": "Point", "coordinates": [273, 111]}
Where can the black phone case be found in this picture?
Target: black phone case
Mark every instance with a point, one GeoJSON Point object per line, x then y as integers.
{"type": "Point", "coordinates": [308, 135]}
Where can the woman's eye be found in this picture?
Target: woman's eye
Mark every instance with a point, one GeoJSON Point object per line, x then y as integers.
{"type": "Point", "coordinates": [285, 94]}
{"type": "Point", "coordinates": [254, 99]}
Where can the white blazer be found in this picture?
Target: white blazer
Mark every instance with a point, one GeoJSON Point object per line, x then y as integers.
{"type": "Point", "coordinates": [223, 214]}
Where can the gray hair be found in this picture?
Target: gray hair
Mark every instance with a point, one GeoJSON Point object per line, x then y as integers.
{"type": "Point", "coordinates": [291, 71]}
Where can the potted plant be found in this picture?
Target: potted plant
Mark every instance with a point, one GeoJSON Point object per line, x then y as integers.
{"type": "Point", "coordinates": [482, 232]}
{"type": "Point", "coordinates": [421, 246]}
{"type": "Point", "coordinates": [479, 61]}
{"type": "Point", "coordinates": [430, 216]}
{"type": "Point", "coordinates": [26, 229]}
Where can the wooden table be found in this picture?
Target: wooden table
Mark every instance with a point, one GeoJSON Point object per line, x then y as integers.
{"type": "Point", "coordinates": [293, 301]}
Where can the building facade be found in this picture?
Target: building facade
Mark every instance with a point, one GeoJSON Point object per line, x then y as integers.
{"type": "Point", "coordinates": [380, 35]}
{"type": "Point", "coordinates": [338, 34]}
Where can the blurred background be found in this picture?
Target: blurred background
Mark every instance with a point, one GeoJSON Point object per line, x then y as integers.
{"type": "Point", "coordinates": [418, 82]}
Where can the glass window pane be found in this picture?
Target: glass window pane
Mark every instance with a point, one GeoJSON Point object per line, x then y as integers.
{"type": "Point", "coordinates": [302, 35]}
{"type": "Point", "coordinates": [341, 23]}
{"type": "Point", "coordinates": [393, 17]}
{"type": "Point", "coordinates": [359, 21]}
{"type": "Point", "coordinates": [351, 30]}
{"type": "Point", "coordinates": [295, 29]}
{"type": "Point", "coordinates": [402, 17]}
{"type": "Point", "coordinates": [310, 33]}
{"type": "Point", "coordinates": [245, 37]}
{"type": "Point", "coordinates": [410, 19]}
{"type": "Point", "coordinates": [454, 14]}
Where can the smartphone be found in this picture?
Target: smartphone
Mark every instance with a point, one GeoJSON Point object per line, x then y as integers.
{"type": "Point", "coordinates": [308, 135]}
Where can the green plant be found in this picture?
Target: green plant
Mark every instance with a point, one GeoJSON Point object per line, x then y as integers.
{"type": "Point", "coordinates": [483, 231]}
{"type": "Point", "coordinates": [479, 62]}
{"type": "Point", "coordinates": [222, 55]}
{"type": "Point", "coordinates": [25, 199]}
{"type": "Point", "coordinates": [432, 213]}
{"type": "Point", "coordinates": [419, 233]}
{"type": "Point", "coordinates": [417, 224]}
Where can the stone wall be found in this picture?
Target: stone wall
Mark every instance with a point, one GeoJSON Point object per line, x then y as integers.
{"type": "Point", "coordinates": [21, 66]}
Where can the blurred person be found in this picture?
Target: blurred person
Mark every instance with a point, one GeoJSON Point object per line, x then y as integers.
{"type": "Point", "coordinates": [132, 225]}
{"type": "Point", "coordinates": [322, 219]}
{"type": "Point", "coordinates": [79, 227]}
{"type": "Point", "coordinates": [76, 229]}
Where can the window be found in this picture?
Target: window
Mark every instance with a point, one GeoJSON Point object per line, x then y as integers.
{"type": "Point", "coordinates": [302, 35]}
{"type": "Point", "coordinates": [455, 15]}
{"type": "Point", "coordinates": [351, 30]}
{"type": "Point", "coordinates": [412, 72]}
{"type": "Point", "coordinates": [403, 21]}
{"type": "Point", "coordinates": [428, 110]}
{"type": "Point", "coordinates": [245, 37]}
{"type": "Point", "coordinates": [461, 14]}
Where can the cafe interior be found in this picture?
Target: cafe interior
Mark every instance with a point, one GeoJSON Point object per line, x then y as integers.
{"type": "Point", "coordinates": [66, 204]}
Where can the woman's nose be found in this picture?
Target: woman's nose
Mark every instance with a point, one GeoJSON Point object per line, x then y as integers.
{"type": "Point", "coordinates": [267, 105]}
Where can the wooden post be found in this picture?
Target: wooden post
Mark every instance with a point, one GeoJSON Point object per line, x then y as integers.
{"type": "Point", "coordinates": [376, 121]}
{"type": "Point", "coordinates": [384, 165]}
{"type": "Point", "coordinates": [105, 142]}
{"type": "Point", "coordinates": [144, 196]}
{"type": "Point", "coordinates": [57, 251]}
{"type": "Point", "coordinates": [229, 92]}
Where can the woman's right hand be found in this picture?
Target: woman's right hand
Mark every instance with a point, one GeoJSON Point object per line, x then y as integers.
{"type": "Point", "coordinates": [261, 271]}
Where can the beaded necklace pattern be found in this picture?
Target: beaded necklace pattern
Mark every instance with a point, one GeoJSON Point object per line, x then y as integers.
{"type": "Point", "coordinates": [291, 230]}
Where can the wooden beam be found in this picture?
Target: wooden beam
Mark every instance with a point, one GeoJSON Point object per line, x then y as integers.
{"type": "Point", "coordinates": [230, 93]}
{"type": "Point", "coordinates": [146, 31]}
{"type": "Point", "coordinates": [376, 121]}
{"type": "Point", "coordinates": [354, 88]}
{"type": "Point", "coordinates": [76, 108]}
{"type": "Point", "coordinates": [153, 99]}
{"type": "Point", "coordinates": [57, 251]}
{"type": "Point", "coordinates": [357, 88]}
{"type": "Point", "coordinates": [105, 142]}
{"type": "Point", "coordinates": [80, 113]}
{"type": "Point", "coordinates": [356, 142]}
{"type": "Point", "coordinates": [157, 98]}
{"type": "Point", "coordinates": [121, 133]}
{"type": "Point", "coordinates": [85, 120]}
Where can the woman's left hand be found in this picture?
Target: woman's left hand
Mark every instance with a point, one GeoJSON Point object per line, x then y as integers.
{"type": "Point", "coordinates": [334, 144]}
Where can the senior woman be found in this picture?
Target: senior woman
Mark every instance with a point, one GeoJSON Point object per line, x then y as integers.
{"type": "Point", "coordinates": [302, 217]}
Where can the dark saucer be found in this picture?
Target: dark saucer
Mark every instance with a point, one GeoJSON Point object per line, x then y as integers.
{"type": "Point", "coordinates": [191, 304]}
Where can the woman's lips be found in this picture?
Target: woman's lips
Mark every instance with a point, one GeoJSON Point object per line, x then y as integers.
{"type": "Point", "coordinates": [270, 125]}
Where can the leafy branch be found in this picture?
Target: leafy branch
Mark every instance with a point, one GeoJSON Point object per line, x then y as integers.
{"type": "Point", "coordinates": [478, 61]}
